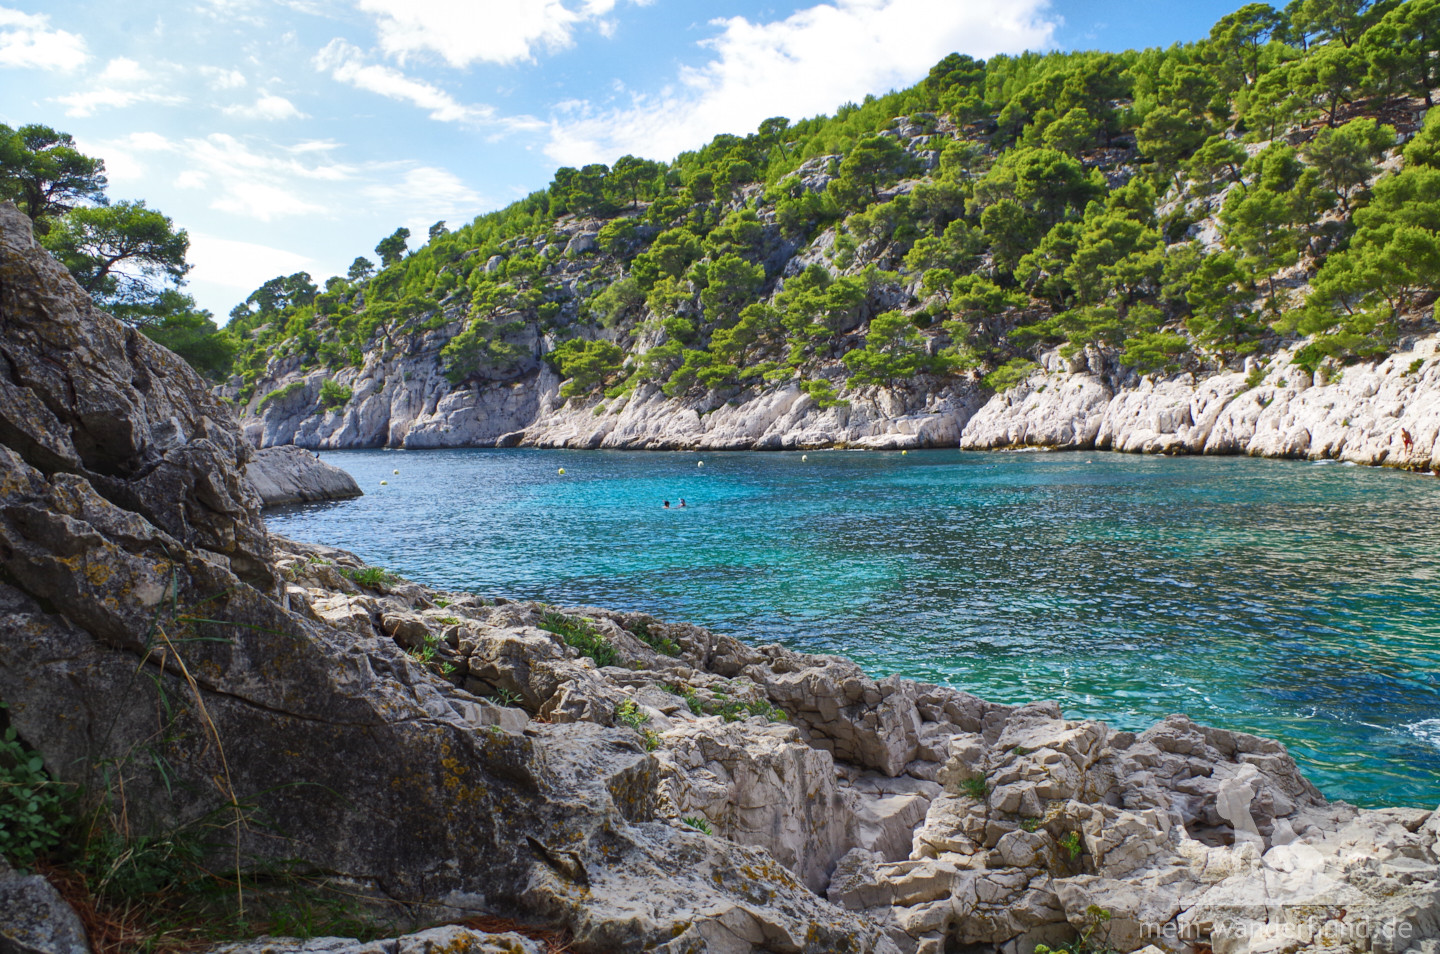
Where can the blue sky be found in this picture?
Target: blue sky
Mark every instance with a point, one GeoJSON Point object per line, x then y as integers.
{"type": "Point", "coordinates": [294, 134]}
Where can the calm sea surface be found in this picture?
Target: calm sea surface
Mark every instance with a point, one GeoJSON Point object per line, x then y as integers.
{"type": "Point", "coordinates": [1288, 599]}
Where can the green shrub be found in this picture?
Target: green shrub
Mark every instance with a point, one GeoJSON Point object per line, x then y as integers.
{"type": "Point", "coordinates": [1009, 374]}
{"type": "Point", "coordinates": [333, 395]}
{"type": "Point", "coordinates": [580, 634]}
{"type": "Point", "coordinates": [699, 824]}
{"type": "Point", "coordinates": [32, 805]}
{"type": "Point", "coordinates": [656, 641]}
{"type": "Point", "coordinates": [976, 787]}
{"type": "Point", "coordinates": [628, 713]}
{"type": "Point", "coordinates": [373, 577]}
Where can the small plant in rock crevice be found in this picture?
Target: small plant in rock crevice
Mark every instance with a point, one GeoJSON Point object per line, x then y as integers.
{"type": "Point", "coordinates": [580, 634]}
{"type": "Point", "coordinates": [372, 577]}
{"type": "Point", "coordinates": [731, 710]}
{"type": "Point", "coordinates": [976, 787]}
{"type": "Point", "coordinates": [1071, 844]}
{"type": "Point", "coordinates": [426, 654]}
{"type": "Point", "coordinates": [698, 823]}
{"type": "Point", "coordinates": [628, 713]}
{"type": "Point", "coordinates": [644, 630]}
{"type": "Point", "coordinates": [1096, 918]}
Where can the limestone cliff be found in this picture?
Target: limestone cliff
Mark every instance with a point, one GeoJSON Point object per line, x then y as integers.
{"type": "Point", "coordinates": [1360, 414]}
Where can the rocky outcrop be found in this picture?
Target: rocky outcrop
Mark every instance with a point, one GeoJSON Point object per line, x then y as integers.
{"type": "Point", "coordinates": [1384, 412]}
{"type": "Point", "coordinates": [288, 474]}
{"type": "Point", "coordinates": [942, 819]}
{"type": "Point", "coordinates": [1359, 413]}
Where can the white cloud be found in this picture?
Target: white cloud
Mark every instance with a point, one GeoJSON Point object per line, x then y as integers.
{"type": "Point", "coordinates": [804, 65]}
{"type": "Point", "coordinates": [123, 82]}
{"type": "Point", "coordinates": [437, 190]}
{"type": "Point", "coordinates": [87, 103]}
{"type": "Point", "coordinates": [260, 180]}
{"type": "Point", "coordinates": [28, 40]}
{"type": "Point", "coordinates": [497, 31]}
{"type": "Point", "coordinates": [267, 106]}
{"type": "Point", "coordinates": [240, 265]}
{"type": "Point", "coordinates": [223, 78]}
{"type": "Point", "coordinates": [123, 70]}
{"type": "Point", "coordinates": [346, 64]}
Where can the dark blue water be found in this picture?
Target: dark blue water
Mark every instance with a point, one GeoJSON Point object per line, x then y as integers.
{"type": "Point", "coordinates": [1288, 599]}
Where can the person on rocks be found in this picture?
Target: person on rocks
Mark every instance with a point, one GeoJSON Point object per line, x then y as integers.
{"type": "Point", "coordinates": [1405, 439]}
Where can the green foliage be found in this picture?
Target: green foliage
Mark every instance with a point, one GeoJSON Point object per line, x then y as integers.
{"type": "Point", "coordinates": [33, 807]}
{"type": "Point", "coordinates": [1011, 244]}
{"type": "Point", "coordinates": [1013, 372]}
{"type": "Point", "coordinates": [1151, 351]}
{"type": "Point", "coordinates": [391, 248]}
{"type": "Point", "coordinates": [894, 351]}
{"type": "Point", "coordinates": [373, 577]}
{"type": "Point", "coordinates": [1347, 157]}
{"type": "Point", "coordinates": [588, 364]}
{"type": "Point", "coordinates": [645, 631]}
{"type": "Point", "coordinates": [580, 633]}
{"type": "Point", "coordinates": [1096, 918]}
{"type": "Point", "coordinates": [628, 713]}
{"type": "Point", "coordinates": [699, 824]}
{"type": "Point", "coordinates": [1071, 844]}
{"type": "Point", "coordinates": [976, 787]}
{"type": "Point", "coordinates": [176, 324]}
{"type": "Point", "coordinates": [873, 163]}
{"type": "Point", "coordinates": [1270, 219]}
{"type": "Point", "coordinates": [823, 393]}
{"type": "Point", "coordinates": [121, 254]}
{"type": "Point", "coordinates": [43, 173]}
{"type": "Point", "coordinates": [334, 394]}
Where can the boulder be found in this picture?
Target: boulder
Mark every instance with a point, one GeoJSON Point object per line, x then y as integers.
{"type": "Point", "coordinates": [34, 919]}
{"type": "Point", "coordinates": [289, 474]}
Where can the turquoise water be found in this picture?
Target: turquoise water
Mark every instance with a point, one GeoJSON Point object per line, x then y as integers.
{"type": "Point", "coordinates": [1288, 599]}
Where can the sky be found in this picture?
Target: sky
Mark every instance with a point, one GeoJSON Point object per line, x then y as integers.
{"type": "Point", "coordinates": [289, 135]}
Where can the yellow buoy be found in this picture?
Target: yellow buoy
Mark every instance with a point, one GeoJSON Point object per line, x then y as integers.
{"type": "Point", "coordinates": [903, 453]}
{"type": "Point", "coordinates": [561, 471]}
{"type": "Point", "coordinates": [699, 463]}
{"type": "Point", "coordinates": [394, 471]}
{"type": "Point", "coordinates": [384, 483]}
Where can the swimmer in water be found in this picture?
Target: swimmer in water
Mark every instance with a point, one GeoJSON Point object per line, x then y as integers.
{"type": "Point", "coordinates": [667, 505]}
{"type": "Point", "coordinates": [682, 501]}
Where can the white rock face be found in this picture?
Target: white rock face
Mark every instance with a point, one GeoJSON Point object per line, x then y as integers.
{"type": "Point", "coordinates": [1364, 416]}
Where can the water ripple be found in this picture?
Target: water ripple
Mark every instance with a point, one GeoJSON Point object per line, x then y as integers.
{"type": "Point", "coordinates": [1269, 596]}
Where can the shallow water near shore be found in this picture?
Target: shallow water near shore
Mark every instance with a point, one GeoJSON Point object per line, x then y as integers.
{"type": "Point", "coordinates": [1289, 599]}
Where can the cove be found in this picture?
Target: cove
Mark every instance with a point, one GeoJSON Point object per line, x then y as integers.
{"type": "Point", "coordinates": [1287, 599]}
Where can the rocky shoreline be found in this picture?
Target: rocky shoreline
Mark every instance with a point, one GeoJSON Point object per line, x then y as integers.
{"type": "Point", "coordinates": [1271, 409]}
{"type": "Point", "coordinates": [636, 784]}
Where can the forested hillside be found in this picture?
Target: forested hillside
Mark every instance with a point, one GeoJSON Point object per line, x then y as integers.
{"type": "Point", "coordinates": [1156, 211]}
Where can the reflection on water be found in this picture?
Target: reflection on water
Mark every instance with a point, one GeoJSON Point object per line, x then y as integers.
{"type": "Point", "coordinates": [1286, 599]}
